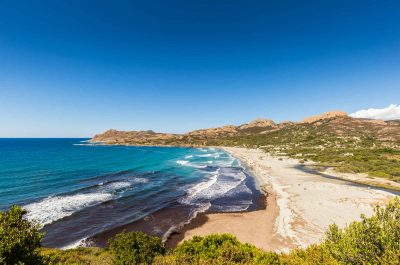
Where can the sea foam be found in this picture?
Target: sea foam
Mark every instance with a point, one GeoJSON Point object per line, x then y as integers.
{"type": "Point", "coordinates": [54, 208]}
{"type": "Point", "coordinates": [216, 186]}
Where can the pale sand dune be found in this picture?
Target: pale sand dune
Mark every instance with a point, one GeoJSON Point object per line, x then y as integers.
{"type": "Point", "coordinates": [301, 205]}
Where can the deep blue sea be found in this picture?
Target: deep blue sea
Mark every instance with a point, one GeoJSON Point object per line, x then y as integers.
{"type": "Point", "coordinates": [82, 193]}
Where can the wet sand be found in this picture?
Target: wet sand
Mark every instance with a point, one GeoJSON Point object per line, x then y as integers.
{"type": "Point", "coordinates": [253, 227]}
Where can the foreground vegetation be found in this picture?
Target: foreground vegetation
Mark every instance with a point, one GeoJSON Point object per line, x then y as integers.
{"type": "Point", "coordinates": [374, 240]}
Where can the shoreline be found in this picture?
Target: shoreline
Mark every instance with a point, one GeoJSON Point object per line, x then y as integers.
{"type": "Point", "coordinates": [300, 205]}
{"type": "Point", "coordinates": [286, 214]}
{"type": "Point", "coordinates": [168, 222]}
{"type": "Point", "coordinates": [256, 220]}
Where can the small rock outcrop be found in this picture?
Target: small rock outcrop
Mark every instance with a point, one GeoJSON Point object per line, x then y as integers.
{"type": "Point", "coordinates": [325, 116]}
{"type": "Point", "coordinates": [258, 123]}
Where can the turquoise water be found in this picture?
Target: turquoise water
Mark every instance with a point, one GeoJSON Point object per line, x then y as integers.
{"type": "Point", "coordinates": [78, 190]}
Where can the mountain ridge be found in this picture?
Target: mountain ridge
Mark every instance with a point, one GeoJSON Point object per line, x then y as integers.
{"type": "Point", "coordinates": [257, 126]}
{"type": "Point", "coordinates": [332, 139]}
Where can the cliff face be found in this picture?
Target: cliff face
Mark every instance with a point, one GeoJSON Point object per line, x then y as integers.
{"type": "Point", "coordinates": [335, 124]}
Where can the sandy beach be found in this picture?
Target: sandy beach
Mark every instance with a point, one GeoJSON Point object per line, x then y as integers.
{"type": "Point", "coordinates": [301, 204]}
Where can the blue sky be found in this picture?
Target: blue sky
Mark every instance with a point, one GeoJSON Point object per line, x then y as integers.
{"type": "Point", "coordinates": [76, 68]}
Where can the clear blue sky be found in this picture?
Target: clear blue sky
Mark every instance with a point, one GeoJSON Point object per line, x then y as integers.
{"type": "Point", "coordinates": [75, 68]}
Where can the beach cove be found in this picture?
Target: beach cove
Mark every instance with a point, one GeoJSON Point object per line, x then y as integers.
{"type": "Point", "coordinates": [300, 204]}
{"type": "Point", "coordinates": [275, 203]}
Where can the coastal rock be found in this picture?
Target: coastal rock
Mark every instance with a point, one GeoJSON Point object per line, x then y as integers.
{"type": "Point", "coordinates": [377, 122]}
{"type": "Point", "coordinates": [148, 137]}
{"type": "Point", "coordinates": [283, 124]}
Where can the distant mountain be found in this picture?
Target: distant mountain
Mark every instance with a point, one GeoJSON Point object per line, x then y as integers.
{"type": "Point", "coordinates": [335, 123]}
{"type": "Point", "coordinates": [332, 139]}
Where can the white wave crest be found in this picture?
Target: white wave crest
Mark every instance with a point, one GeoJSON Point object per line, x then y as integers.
{"type": "Point", "coordinates": [119, 185]}
{"type": "Point", "coordinates": [214, 187]}
{"type": "Point", "coordinates": [199, 188]}
{"type": "Point", "coordinates": [186, 163]}
{"type": "Point", "coordinates": [205, 155]}
{"type": "Point", "coordinates": [54, 208]}
{"type": "Point", "coordinates": [140, 180]}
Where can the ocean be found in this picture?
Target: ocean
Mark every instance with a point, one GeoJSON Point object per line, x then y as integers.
{"type": "Point", "coordinates": [83, 193]}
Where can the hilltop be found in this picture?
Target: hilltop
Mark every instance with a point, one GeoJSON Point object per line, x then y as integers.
{"type": "Point", "coordinates": [265, 132]}
{"type": "Point", "coordinates": [333, 139]}
{"type": "Point", "coordinates": [199, 137]}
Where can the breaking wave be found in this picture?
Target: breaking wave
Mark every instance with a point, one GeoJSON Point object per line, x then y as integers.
{"type": "Point", "coordinates": [54, 208]}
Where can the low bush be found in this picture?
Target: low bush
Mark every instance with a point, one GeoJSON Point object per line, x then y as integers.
{"type": "Point", "coordinates": [135, 248]}
{"type": "Point", "coordinates": [81, 255]}
{"type": "Point", "coordinates": [315, 254]}
{"type": "Point", "coordinates": [20, 239]}
{"type": "Point", "coordinates": [374, 240]}
{"type": "Point", "coordinates": [217, 249]}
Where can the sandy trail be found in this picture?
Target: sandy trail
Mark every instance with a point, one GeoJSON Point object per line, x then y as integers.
{"type": "Point", "coordinates": [301, 204]}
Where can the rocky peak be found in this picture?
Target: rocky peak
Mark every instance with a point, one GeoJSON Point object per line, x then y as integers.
{"type": "Point", "coordinates": [325, 116]}
{"type": "Point", "coordinates": [258, 123]}
{"type": "Point", "coordinates": [211, 131]}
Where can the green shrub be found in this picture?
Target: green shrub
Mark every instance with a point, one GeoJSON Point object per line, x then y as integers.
{"type": "Point", "coordinates": [314, 254]}
{"type": "Point", "coordinates": [217, 249]}
{"type": "Point", "coordinates": [380, 174]}
{"type": "Point", "coordinates": [20, 239]}
{"type": "Point", "coordinates": [135, 248]}
{"type": "Point", "coordinates": [374, 240]}
{"type": "Point", "coordinates": [81, 255]}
